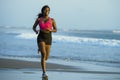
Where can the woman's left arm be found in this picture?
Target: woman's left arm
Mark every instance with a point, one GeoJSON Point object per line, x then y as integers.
{"type": "Point", "coordinates": [54, 26]}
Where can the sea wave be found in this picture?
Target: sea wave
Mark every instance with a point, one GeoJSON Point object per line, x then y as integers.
{"type": "Point", "coordinates": [16, 27]}
{"type": "Point", "coordinates": [27, 36]}
{"type": "Point", "coordinates": [73, 39]}
{"type": "Point", "coordinates": [116, 31]}
{"type": "Point", "coordinates": [85, 40]}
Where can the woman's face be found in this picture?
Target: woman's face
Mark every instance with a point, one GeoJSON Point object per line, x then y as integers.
{"type": "Point", "coordinates": [46, 11]}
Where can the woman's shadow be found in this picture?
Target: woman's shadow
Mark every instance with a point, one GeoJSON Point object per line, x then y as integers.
{"type": "Point", "coordinates": [45, 78]}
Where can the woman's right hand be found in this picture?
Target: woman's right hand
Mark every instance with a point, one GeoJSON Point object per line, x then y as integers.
{"type": "Point", "coordinates": [37, 31]}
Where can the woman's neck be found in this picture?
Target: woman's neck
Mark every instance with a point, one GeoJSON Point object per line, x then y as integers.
{"type": "Point", "coordinates": [46, 17]}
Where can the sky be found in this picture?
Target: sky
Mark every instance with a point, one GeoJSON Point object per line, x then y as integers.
{"type": "Point", "coordinates": [68, 14]}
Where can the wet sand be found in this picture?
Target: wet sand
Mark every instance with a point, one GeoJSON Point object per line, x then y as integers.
{"type": "Point", "coordinates": [11, 69]}
{"type": "Point", "coordinates": [18, 64]}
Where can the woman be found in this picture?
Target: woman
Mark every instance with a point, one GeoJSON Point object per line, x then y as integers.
{"type": "Point", "coordinates": [47, 26]}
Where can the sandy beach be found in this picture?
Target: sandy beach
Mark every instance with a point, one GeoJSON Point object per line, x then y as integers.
{"type": "Point", "coordinates": [11, 69]}
{"type": "Point", "coordinates": [20, 64]}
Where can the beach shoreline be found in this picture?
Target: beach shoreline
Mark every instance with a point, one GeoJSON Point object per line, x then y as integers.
{"type": "Point", "coordinates": [19, 64]}
{"type": "Point", "coordinates": [20, 69]}
{"type": "Point", "coordinates": [64, 67]}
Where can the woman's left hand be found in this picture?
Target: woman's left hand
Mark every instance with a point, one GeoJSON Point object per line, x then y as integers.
{"type": "Point", "coordinates": [48, 29]}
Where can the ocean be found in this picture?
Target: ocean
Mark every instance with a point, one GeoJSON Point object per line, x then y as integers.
{"type": "Point", "coordinates": [100, 47]}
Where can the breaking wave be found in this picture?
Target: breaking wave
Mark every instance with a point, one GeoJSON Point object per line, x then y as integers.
{"type": "Point", "coordinates": [74, 39]}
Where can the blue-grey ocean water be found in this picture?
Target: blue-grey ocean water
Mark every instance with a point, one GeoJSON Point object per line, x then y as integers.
{"type": "Point", "coordinates": [92, 46]}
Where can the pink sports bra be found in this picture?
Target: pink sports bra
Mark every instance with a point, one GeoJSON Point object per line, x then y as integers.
{"type": "Point", "coordinates": [45, 25]}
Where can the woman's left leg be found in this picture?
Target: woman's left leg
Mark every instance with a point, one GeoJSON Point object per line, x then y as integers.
{"type": "Point", "coordinates": [47, 47]}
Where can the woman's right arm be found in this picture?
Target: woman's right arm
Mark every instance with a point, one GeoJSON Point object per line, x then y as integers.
{"type": "Point", "coordinates": [35, 25]}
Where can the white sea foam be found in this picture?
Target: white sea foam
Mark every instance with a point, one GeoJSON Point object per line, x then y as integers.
{"type": "Point", "coordinates": [27, 35]}
{"type": "Point", "coordinates": [116, 31]}
{"type": "Point", "coordinates": [94, 41]}
{"type": "Point", "coordinates": [73, 39]}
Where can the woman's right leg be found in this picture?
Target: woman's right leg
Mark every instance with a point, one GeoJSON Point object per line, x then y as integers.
{"type": "Point", "coordinates": [43, 56]}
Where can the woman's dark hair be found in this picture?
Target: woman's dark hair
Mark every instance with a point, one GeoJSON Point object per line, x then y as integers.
{"type": "Point", "coordinates": [42, 10]}
{"type": "Point", "coordinates": [40, 15]}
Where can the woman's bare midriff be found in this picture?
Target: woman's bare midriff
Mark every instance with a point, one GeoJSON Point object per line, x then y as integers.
{"type": "Point", "coordinates": [45, 31]}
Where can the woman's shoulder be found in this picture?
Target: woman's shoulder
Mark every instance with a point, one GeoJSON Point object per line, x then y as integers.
{"type": "Point", "coordinates": [52, 19]}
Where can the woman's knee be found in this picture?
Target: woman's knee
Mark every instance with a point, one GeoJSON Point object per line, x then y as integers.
{"type": "Point", "coordinates": [42, 48]}
{"type": "Point", "coordinates": [46, 58]}
{"type": "Point", "coordinates": [43, 57]}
